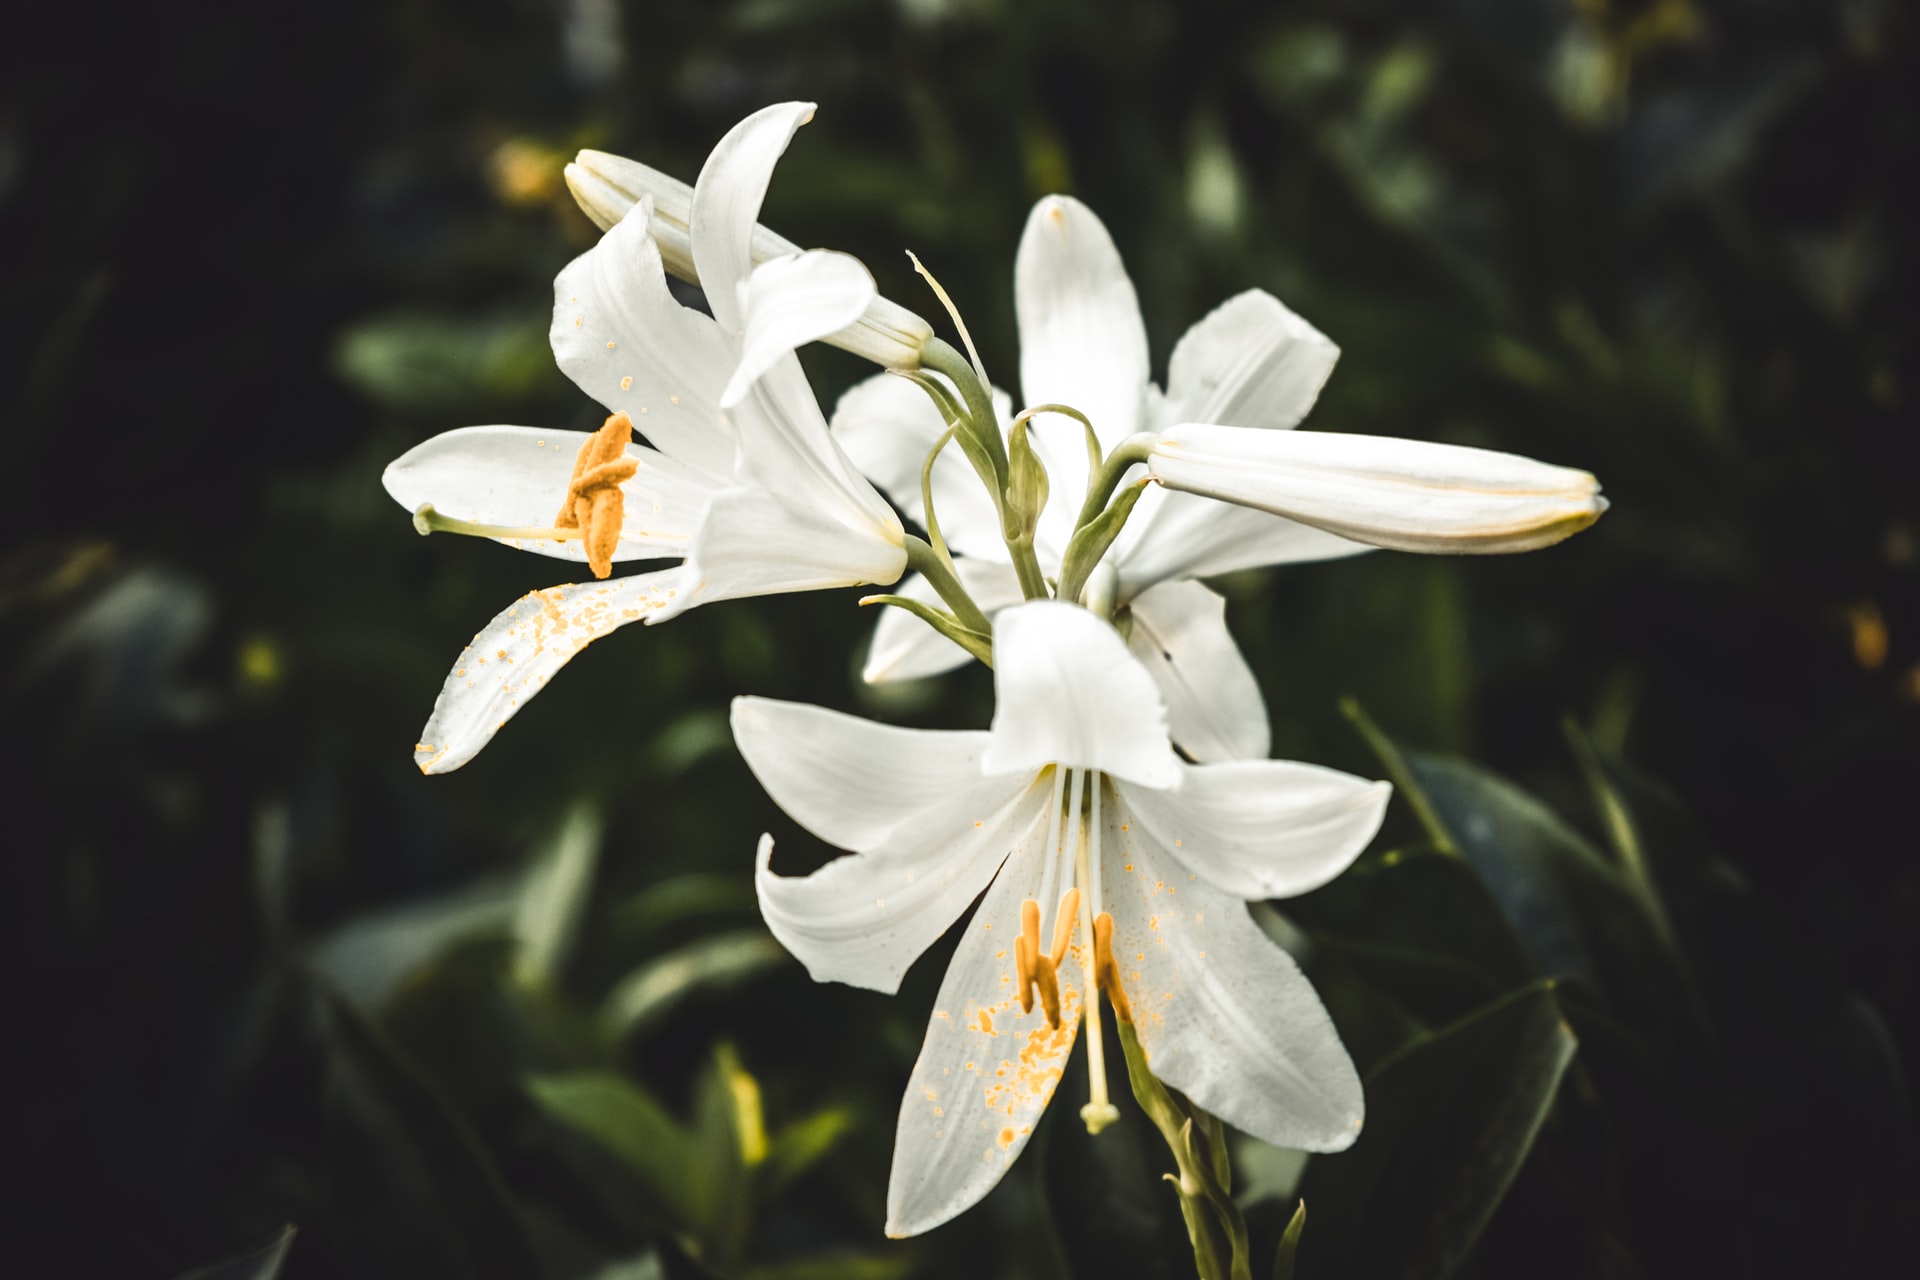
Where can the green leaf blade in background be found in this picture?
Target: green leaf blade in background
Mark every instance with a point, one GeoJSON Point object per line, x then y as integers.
{"type": "Point", "coordinates": [1450, 1121]}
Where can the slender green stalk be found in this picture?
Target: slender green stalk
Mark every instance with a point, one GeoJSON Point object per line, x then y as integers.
{"type": "Point", "coordinates": [938, 571]}
{"type": "Point", "coordinates": [942, 358]}
{"type": "Point", "coordinates": [926, 495]}
{"type": "Point", "coordinates": [1134, 449]}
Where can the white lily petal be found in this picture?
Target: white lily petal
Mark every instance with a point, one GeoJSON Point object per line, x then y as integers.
{"type": "Point", "coordinates": [628, 343]}
{"type": "Point", "coordinates": [792, 301]}
{"type": "Point", "coordinates": [1082, 341]}
{"type": "Point", "coordinates": [758, 541]}
{"type": "Point", "coordinates": [1067, 692]}
{"type": "Point", "coordinates": [726, 203]}
{"type": "Point", "coordinates": [1214, 707]}
{"type": "Point", "coordinates": [1180, 535]}
{"type": "Point", "coordinates": [1406, 494]}
{"type": "Point", "coordinates": [851, 781]}
{"type": "Point", "coordinates": [887, 426]}
{"type": "Point", "coordinates": [515, 655]}
{"type": "Point", "coordinates": [1249, 363]}
{"type": "Point", "coordinates": [1262, 828]}
{"type": "Point", "coordinates": [607, 186]}
{"type": "Point", "coordinates": [905, 648]}
{"type": "Point", "coordinates": [517, 476]}
{"type": "Point", "coordinates": [1224, 1015]}
{"type": "Point", "coordinates": [987, 1070]}
{"type": "Point", "coordinates": [865, 918]}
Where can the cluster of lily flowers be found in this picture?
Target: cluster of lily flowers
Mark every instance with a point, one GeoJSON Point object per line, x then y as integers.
{"type": "Point", "coordinates": [1123, 785]}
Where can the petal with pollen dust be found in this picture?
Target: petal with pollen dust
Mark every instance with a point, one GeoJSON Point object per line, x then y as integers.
{"type": "Point", "coordinates": [515, 655]}
{"type": "Point", "coordinates": [1224, 1015]}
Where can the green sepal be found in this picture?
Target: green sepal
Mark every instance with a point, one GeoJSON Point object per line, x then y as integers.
{"type": "Point", "coordinates": [1091, 540]}
{"type": "Point", "coordinates": [980, 646]}
{"type": "Point", "coordinates": [1290, 1243]}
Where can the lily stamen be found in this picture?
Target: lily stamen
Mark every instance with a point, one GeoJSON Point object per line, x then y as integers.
{"type": "Point", "coordinates": [1037, 970]}
{"type": "Point", "coordinates": [594, 504]}
{"type": "Point", "coordinates": [1106, 970]}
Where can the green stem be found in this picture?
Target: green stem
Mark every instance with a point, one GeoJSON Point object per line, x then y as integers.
{"type": "Point", "coordinates": [1026, 567]}
{"type": "Point", "coordinates": [938, 571]}
{"type": "Point", "coordinates": [940, 356]}
{"type": "Point", "coordinates": [1134, 449]}
{"type": "Point", "coordinates": [1403, 779]}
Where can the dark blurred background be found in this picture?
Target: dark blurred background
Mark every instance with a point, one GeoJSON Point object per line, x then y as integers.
{"type": "Point", "coordinates": [266, 973]}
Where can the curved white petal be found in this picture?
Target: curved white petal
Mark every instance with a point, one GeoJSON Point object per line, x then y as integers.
{"type": "Point", "coordinates": [1214, 707]}
{"type": "Point", "coordinates": [905, 648]}
{"type": "Point", "coordinates": [987, 1070]}
{"type": "Point", "coordinates": [865, 918]}
{"type": "Point", "coordinates": [607, 186]}
{"type": "Point", "coordinates": [851, 781]}
{"type": "Point", "coordinates": [887, 425]}
{"type": "Point", "coordinates": [1249, 363]}
{"type": "Point", "coordinates": [789, 302]}
{"type": "Point", "coordinates": [1224, 1015]}
{"type": "Point", "coordinates": [1406, 494]}
{"type": "Point", "coordinates": [628, 343]}
{"type": "Point", "coordinates": [517, 476]}
{"type": "Point", "coordinates": [1082, 341]}
{"type": "Point", "coordinates": [1262, 828]}
{"type": "Point", "coordinates": [515, 655]}
{"type": "Point", "coordinates": [1067, 692]}
{"type": "Point", "coordinates": [726, 203]}
{"type": "Point", "coordinates": [1181, 535]}
{"type": "Point", "coordinates": [757, 542]}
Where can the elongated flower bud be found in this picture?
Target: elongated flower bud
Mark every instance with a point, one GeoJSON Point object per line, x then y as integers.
{"type": "Point", "coordinates": [1405, 494]}
{"type": "Point", "coordinates": [607, 186]}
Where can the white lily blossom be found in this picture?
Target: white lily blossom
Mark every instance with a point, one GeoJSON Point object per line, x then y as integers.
{"type": "Point", "coordinates": [607, 187]}
{"type": "Point", "coordinates": [1083, 343]}
{"type": "Point", "coordinates": [1073, 797]}
{"type": "Point", "coordinates": [740, 477]}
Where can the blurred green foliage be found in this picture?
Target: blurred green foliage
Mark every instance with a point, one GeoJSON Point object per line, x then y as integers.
{"type": "Point", "coordinates": [523, 1020]}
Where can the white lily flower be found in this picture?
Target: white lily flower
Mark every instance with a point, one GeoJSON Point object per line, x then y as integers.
{"type": "Point", "coordinates": [607, 187]}
{"type": "Point", "coordinates": [741, 476]}
{"type": "Point", "coordinates": [1083, 343]}
{"type": "Point", "coordinates": [1075, 791]}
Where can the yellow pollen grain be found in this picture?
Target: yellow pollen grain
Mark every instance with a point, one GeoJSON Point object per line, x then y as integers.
{"type": "Point", "coordinates": [609, 346]}
{"type": "Point", "coordinates": [675, 399]}
{"type": "Point", "coordinates": [577, 321]}
{"type": "Point", "coordinates": [979, 824]}
{"type": "Point", "coordinates": [1006, 1139]}
{"type": "Point", "coordinates": [626, 383]}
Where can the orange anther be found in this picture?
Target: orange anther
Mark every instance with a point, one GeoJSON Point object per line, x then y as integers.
{"type": "Point", "coordinates": [1063, 921]}
{"type": "Point", "coordinates": [1105, 971]}
{"type": "Point", "coordinates": [594, 504]}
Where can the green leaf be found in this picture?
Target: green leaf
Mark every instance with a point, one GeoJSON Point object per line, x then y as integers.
{"type": "Point", "coordinates": [411, 1191]}
{"type": "Point", "coordinates": [717, 961]}
{"type": "Point", "coordinates": [554, 898]}
{"type": "Point", "coordinates": [617, 1114]}
{"type": "Point", "coordinates": [803, 1144]}
{"type": "Point", "coordinates": [686, 897]}
{"type": "Point", "coordinates": [262, 1262]}
{"type": "Point", "coordinates": [1290, 1244]}
{"type": "Point", "coordinates": [1450, 1120]}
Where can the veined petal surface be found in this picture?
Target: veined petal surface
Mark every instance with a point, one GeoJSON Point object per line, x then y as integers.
{"type": "Point", "coordinates": [888, 426]}
{"type": "Point", "coordinates": [1067, 692]}
{"type": "Point", "coordinates": [791, 301]}
{"type": "Point", "coordinates": [757, 541]}
{"type": "Point", "coordinates": [1082, 341]}
{"type": "Point", "coordinates": [1224, 1015]}
{"type": "Point", "coordinates": [1251, 362]}
{"type": "Point", "coordinates": [865, 918]}
{"type": "Point", "coordinates": [1261, 828]}
{"type": "Point", "coordinates": [986, 1070]}
{"type": "Point", "coordinates": [1182, 535]}
{"type": "Point", "coordinates": [905, 648]}
{"type": "Point", "coordinates": [628, 343]}
{"type": "Point", "coordinates": [726, 203]}
{"type": "Point", "coordinates": [517, 476]}
{"type": "Point", "coordinates": [1214, 707]}
{"type": "Point", "coordinates": [851, 781]}
{"type": "Point", "coordinates": [515, 655]}
{"type": "Point", "coordinates": [1406, 494]}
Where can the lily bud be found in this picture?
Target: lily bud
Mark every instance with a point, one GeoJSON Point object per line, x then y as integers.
{"type": "Point", "coordinates": [607, 186]}
{"type": "Point", "coordinates": [1404, 494]}
{"type": "Point", "coordinates": [1027, 486]}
